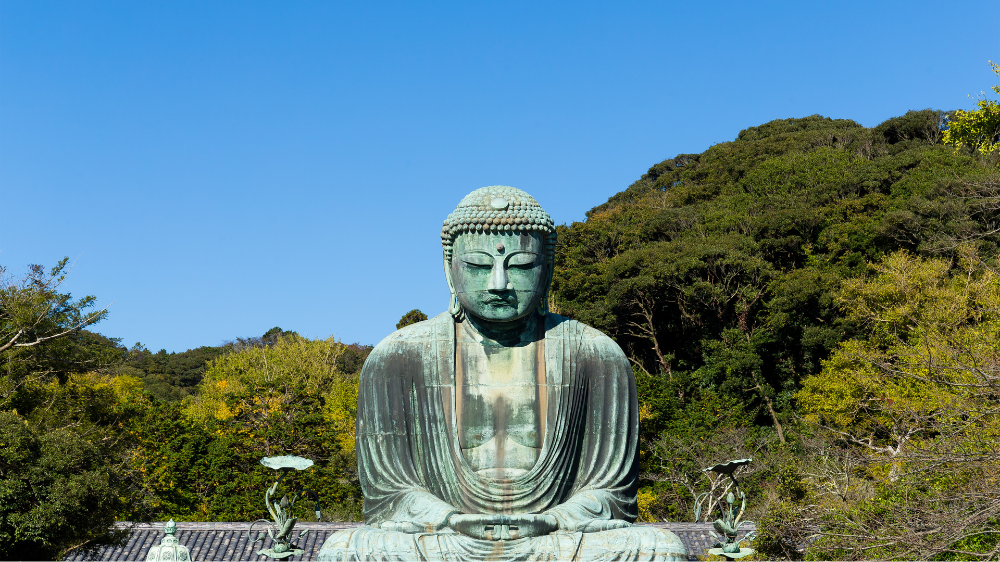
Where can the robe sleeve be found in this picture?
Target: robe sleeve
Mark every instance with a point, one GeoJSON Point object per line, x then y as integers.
{"type": "Point", "coordinates": [607, 475]}
{"type": "Point", "coordinates": [388, 474]}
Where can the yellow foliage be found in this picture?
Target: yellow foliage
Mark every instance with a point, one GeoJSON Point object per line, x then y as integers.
{"type": "Point", "coordinates": [646, 499]}
{"type": "Point", "coordinates": [979, 128]}
{"type": "Point", "coordinates": [646, 412]}
{"type": "Point", "coordinates": [928, 366]}
{"type": "Point", "coordinates": [126, 388]}
{"type": "Point", "coordinates": [311, 363]}
{"type": "Point", "coordinates": [341, 410]}
{"type": "Point", "coordinates": [223, 412]}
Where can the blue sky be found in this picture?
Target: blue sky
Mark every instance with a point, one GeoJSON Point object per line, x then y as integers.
{"type": "Point", "coordinates": [218, 168]}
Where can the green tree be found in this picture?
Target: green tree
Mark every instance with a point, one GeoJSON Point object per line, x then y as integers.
{"type": "Point", "coordinates": [717, 273]}
{"type": "Point", "coordinates": [411, 317]}
{"type": "Point", "coordinates": [170, 376]}
{"type": "Point", "coordinates": [287, 398]}
{"type": "Point", "coordinates": [62, 479]}
{"type": "Point", "coordinates": [919, 395]}
{"type": "Point", "coordinates": [63, 472]}
{"type": "Point", "coordinates": [717, 270]}
{"type": "Point", "coordinates": [173, 460]}
{"type": "Point", "coordinates": [175, 375]}
{"type": "Point", "coordinates": [978, 129]}
{"type": "Point", "coordinates": [37, 329]}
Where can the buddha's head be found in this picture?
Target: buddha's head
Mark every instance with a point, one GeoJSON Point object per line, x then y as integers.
{"type": "Point", "coordinates": [499, 248]}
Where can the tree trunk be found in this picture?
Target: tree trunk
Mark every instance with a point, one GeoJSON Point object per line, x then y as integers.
{"type": "Point", "coordinates": [774, 415]}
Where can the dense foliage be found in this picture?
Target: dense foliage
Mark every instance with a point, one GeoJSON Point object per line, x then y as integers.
{"type": "Point", "coordinates": [978, 129]}
{"type": "Point", "coordinates": [63, 477]}
{"type": "Point", "coordinates": [200, 458]}
{"type": "Point", "coordinates": [815, 294]}
{"type": "Point", "coordinates": [170, 376]}
{"type": "Point", "coordinates": [919, 395]}
{"type": "Point", "coordinates": [91, 431]}
{"type": "Point", "coordinates": [729, 278]}
{"type": "Point", "coordinates": [716, 271]}
{"type": "Point", "coordinates": [411, 317]}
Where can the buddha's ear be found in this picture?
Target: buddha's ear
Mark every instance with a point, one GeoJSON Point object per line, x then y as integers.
{"type": "Point", "coordinates": [455, 308]}
{"type": "Point", "coordinates": [543, 303]}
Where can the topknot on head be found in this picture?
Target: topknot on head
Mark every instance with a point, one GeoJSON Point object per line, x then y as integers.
{"type": "Point", "coordinates": [495, 198]}
{"type": "Point", "coordinates": [497, 208]}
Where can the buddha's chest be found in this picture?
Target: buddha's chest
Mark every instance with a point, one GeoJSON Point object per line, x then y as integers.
{"type": "Point", "coordinates": [498, 409]}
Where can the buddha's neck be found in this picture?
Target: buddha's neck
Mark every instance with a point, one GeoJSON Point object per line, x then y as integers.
{"type": "Point", "coordinates": [504, 333]}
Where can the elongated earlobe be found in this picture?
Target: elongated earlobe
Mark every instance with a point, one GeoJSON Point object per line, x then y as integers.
{"type": "Point", "coordinates": [543, 303]}
{"type": "Point", "coordinates": [455, 308]}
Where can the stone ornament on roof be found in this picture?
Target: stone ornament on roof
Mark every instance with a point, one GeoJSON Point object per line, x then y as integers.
{"type": "Point", "coordinates": [169, 548]}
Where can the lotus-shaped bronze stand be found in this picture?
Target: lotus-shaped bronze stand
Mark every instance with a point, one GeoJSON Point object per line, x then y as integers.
{"type": "Point", "coordinates": [728, 526]}
{"type": "Point", "coordinates": [281, 511]}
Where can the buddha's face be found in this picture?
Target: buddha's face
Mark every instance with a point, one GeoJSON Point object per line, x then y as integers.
{"type": "Point", "coordinates": [499, 277]}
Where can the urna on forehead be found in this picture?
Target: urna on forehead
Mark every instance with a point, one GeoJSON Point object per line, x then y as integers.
{"type": "Point", "coordinates": [497, 209]}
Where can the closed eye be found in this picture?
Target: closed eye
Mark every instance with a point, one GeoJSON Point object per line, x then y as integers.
{"type": "Point", "coordinates": [477, 260]}
{"type": "Point", "coordinates": [524, 260]}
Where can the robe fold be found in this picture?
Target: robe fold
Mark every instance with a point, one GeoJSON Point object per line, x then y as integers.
{"type": "Point", "coordinates": [412, 468]}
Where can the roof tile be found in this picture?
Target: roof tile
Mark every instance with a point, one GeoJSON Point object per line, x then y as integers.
{"type": "Point", "coordinates": [228, 541]}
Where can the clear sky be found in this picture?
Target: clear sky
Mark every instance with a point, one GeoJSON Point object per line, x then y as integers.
{"type": "Point", "coordinates": [218, 168]}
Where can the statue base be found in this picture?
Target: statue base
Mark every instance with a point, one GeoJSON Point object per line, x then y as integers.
{"type": "Point", "coordinates": [731, 555]}
{"type": "Point", "coordinates": [629, 543]}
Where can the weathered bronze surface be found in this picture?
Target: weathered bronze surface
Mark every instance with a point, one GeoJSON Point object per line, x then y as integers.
{"type": "Point", "coordinates": [282, 529]}
{"type": "Point", "coordinates": [169, 549]}
{"type": "Point", "coordinates": [497, 430]}
{"type": "Point", "coordinates": [728, 544]}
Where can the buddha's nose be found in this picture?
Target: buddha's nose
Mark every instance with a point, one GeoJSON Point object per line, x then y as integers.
{"type": "Point", "coordinates": [498, 278]}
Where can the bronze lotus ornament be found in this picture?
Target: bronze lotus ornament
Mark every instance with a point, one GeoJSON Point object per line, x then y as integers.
{"type": "Point", "coordinates": [282, 527]}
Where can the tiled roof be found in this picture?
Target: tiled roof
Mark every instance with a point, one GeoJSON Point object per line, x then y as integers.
{"type": "Point", "coordinates": [230, 542]}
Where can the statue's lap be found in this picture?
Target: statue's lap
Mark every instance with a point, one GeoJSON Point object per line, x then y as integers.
{"type": "Point", "coordinates": [630, 543]}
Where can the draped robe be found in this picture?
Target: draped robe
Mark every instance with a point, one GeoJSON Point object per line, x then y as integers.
{"type": "Point", "coordinates": [412, 468]}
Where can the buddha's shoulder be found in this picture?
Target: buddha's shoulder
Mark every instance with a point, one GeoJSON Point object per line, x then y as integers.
{"type": "Point", "coordinates": [441, 328]}
{"type": "Point", "coordinates": [556, 325]}
{"type": "Point", "coordinates": [590, 344]}
{"type": "Point", "coordinates": [417, 334]}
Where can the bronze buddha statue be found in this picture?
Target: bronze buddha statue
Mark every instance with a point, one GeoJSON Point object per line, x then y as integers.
{"type": "Point", "coordinates": [498, 430]}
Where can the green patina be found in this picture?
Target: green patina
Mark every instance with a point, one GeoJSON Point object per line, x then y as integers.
{"type": "Point", "coordinates": [169, 548]}
{"type": "Point", "coordinates": [497, 430]}
{"type": "Point", "coordinates": [282, 528]}
{"type": "Point", "coordinates": [728, 525]}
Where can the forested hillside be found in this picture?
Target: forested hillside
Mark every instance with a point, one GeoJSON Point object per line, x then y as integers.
{"type": "Point", "coordinates": [92, 431]}
{"type": "Point", "coordinates": [815, 294]}
{"type": "Point", "coordinates": [719, 269]}
{"type": "Point", "coordinates": [749, 284]}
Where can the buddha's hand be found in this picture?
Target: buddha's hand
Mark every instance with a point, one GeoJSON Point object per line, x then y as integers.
{"type": "Point", "coordinates": [402, 527]}
{"type": "Point", "coordinates": [598, 525]}
{"type": "Point", "coordinates": [473, 525]}
{"type": "Point", "coordinates": [533, 524]}
{"type": "Point", "coordinates": [493, 527]}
